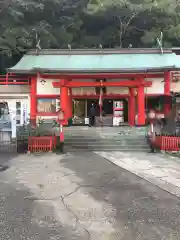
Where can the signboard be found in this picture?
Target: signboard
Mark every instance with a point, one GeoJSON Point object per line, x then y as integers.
{"type": "Point", "coordinates": [24, 113]}
{"type": "Point", "coordinates": [13, 125]}
{"type": "Point", "coordinates": [118, 113]}
{"type": "Point", "coordinates": [57, 105]}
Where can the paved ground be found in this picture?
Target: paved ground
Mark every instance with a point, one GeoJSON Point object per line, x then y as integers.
{"type": "Point", "coordinates": [159, 169]}
{"type": "Point", "coordinates": [82, 196]}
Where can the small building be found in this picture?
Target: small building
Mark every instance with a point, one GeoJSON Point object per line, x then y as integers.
{"type": "Point", "coordinates": [128, 81]}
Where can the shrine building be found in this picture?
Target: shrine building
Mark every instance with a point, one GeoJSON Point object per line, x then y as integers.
{"type": "Point", "coordinates": [129, 82]}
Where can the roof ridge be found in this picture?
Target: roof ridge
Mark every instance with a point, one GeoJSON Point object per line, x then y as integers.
{"type": "Point", "coordinates": [98, 51]}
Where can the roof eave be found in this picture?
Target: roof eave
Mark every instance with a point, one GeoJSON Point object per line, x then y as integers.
{"type": "Point", "coordinates": [71, 71]}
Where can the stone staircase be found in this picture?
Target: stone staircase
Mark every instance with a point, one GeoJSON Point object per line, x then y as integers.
{"type": "Point", "coordinates": [124, 139]}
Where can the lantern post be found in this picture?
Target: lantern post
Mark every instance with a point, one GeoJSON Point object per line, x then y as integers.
{"type": "Point", "coordinates": [151, 117]}
{"type": "Point", "coordinates": [61, 120]}
{"type": "Point", "coordinates": [101, 103]}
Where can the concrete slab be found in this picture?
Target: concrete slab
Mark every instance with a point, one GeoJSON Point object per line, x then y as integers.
{"type": "Point", "coordinates": [83, 196]}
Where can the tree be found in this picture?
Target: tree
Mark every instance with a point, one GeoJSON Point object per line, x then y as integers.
{"type": "Point", "coordinates": [167, 18]}
{"type": "Point", "coordinates": [88, 23]}
{"type": "Point", "coordinates": [4, 4]}
{"type": "Point", "coordinates": [49, 18]}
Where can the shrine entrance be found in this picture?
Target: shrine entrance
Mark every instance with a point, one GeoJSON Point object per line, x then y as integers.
{"type": "Point", "coordinates": [81, 108]}
{"type": "Point", "coordinates": [79, 111]}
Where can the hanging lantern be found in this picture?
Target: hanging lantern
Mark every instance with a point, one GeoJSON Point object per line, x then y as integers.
{"type": "Point", "coordinates": [152, 115]}
{"type": "Point", "coordinates": [43, 81]}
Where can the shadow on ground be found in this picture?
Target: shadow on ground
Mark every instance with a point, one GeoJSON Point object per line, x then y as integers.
{"type": "Point", "coordinates": [143, 211]}
{"type": "Point", "coordinates": [5, 160]}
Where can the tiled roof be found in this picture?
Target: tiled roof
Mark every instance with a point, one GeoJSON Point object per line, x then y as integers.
{"type": "Point", "coordinates": [95, 61]}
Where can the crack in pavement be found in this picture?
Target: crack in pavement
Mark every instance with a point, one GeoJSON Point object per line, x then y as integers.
{"type": "Point", "coordinates": [54, 186]}
{"type": "Point", "coordinates": [76, 217]}
{"type": "Point", "coordinates": [33, 197]}
{"type": "Point", "coordinates": [63, 197]}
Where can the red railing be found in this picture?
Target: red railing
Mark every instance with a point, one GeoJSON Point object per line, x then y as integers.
{"type": "Point", "coordinates": [41, 144]}
{"type": "Point", "coordinates": [170, 143]}
{"type": "Point", "coordinates": [167, 143]}
{"type": "Point", "coordinates": [14, 80]}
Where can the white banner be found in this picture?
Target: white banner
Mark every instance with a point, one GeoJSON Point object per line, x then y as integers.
{"type": "Point", "coordinates": [12, 111]}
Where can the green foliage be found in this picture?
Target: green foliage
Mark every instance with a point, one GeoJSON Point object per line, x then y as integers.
{"type": "Point", "coordinates": [89, 23]}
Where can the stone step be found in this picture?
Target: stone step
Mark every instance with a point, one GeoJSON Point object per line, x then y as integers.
{"type": "Point", "coordinates": [103, 135]}
{"type": "Point", "coordinates": [108, 130]}
{"type": "Point", "coordinates": [80, 134]}
{"type": "Point", "coordinates": [124, 144]}
{"type": "Point", "coordinates": [97, 149]}
{"type": "Point", "coordinates": [116, 133]}
{"type": "Point", "coordinates": [104, 144]}
{"type": "Point", "coordinates": [105, 141]}
{"type": "Point", "coordinates": [108, 149]}
{"type": "Point", "coordinates": [105, 138]}
{"type": "Point", "coordinates": [123, 139]}
{"type": "Point", "coordinates": [82, 139]}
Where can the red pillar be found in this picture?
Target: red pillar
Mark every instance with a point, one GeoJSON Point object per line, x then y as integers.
{"type": "Point", "coordinates": [33, 100]}
{"type": "Point", "coordinates": [70, 103]}
{"type": "Point", "coordinates": [131, 107]}
{"type": "Point", "coordinates": [167, 91]}
{"type": "Point", "coordinates": [64, 100]}
{"type": "Point", "coordinates": [141, 105]}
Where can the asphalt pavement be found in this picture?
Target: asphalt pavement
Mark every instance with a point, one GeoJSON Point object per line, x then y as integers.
{"type": "Point", "coordinates": [82, 196]}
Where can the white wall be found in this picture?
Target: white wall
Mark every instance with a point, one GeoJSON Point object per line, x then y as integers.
{"type": "Point", "coordinates": [117, 90]}
{"type": "Point", "coordinates": [47, 87]}
{"type": "Point", "coordinates": [14, 96]}
{"type": "Point", "coordinates": [83, 90]}
{"type": "Point", "coordinates": [157, 86]}
{"type": "Point", "coordinates": [14, 89]}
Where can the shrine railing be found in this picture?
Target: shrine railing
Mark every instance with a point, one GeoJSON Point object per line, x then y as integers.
{"type": "Point", "coordinates": [167, 143]}
{"type": "Point", "coordinates": [14, 80]}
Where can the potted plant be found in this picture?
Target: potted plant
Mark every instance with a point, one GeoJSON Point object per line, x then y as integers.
{"type": "Point", "coordinates": [36, 139]}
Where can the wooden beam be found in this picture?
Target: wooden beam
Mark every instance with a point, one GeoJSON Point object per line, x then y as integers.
{"type": "Point", "coordinates": [102, 76]}
{"type": "Point", "coordinates": [86, 95]}
{"type": "Point", "coordinates": [126, 83]}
